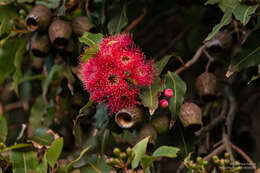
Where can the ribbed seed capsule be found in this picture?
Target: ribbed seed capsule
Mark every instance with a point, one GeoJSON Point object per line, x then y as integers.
{"type": "Point", "coordinates": [40, 44]}
{"type": "Point", "coordinates": [38, 18]}
{"type": "Point", "coordinates": [81, 24]}
{"type": "Point", "coordinates": [59, 33]}
{"type": "Point", "coordinates": [206, 85]}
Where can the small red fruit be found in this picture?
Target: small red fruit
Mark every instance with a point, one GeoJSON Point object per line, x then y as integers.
{"type": "Point", "coordinates": [168, 93]}
{"type": "Point", "coordinates": [163, 103]}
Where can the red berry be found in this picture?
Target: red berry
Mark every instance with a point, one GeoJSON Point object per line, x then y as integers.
{"type": "Point", "coordinates": [168, 93]}
{"type": "Point", "coordinates": [163, 103]}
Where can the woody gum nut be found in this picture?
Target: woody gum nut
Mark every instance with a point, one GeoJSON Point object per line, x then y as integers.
{"type": "Point", "coordinates": [59, 33]}
{"type": "Point", "coordinates": [206, 85]}
{"type": "Point", "coordinates": [81, 24]}
{"type": "Point", "coordinates": [163, 103]}
{"type": "Point", "coordinates": [40, 44]}
{"type": "Point", "coordinates": [161, 123]}
{"type": "Point", "coordinates": [128, 117]}
{"type": "Point", "coordinates": [148, 130]}
{"type": "Point", "coordinates": [168, 93]}
{"type": "Point", "coordinates": [191, 116]}
{"type": "Point", "coordinates": [38, 18]}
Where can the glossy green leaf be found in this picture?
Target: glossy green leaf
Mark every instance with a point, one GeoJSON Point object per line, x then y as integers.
{"type": "Point", "coordinates": [1, 170]}
{"type": "Point", "coordinates": [89, 52]}
{"type": "Point", "coordinates": [139, 149]}
{"type": "Point", "coordinates": [118, 20]}
{"type": "Point", "coordinates": [162, 63]}
{"type": "Point", "coordinates": [49, 3]}
{"type": "Point", "coordinates": [174, 82]}
{"type": "Point", "coordinates": [19, 55]}
{"type": "Point", "coordinates": [226, 19]}
{"type": "Point", "coordinates": [18, 146]}
{"type": "Point", "coordinates": [98, 165]}
{"type": "Point", "coordinates": [247, 56]}
{"type": "Point", "coordinates": [243, 12]}
{"type": "Point", "coordinates": [37, 111]}
{"type": "Point", "coordinates": [90, 39]}
{"type": "Point", "coordinates": [24, 162]}
{"type": "Point", "coordinates": [69, 167]}
{"type": "Point", "coordinates": [101, 116]}
{"type": "Point", "coordinates": [3, 128]}
{"type": "Point", "coordinates": [53, 153]}
{"type": "Point", "coordinates": [42, 136]}
{"type": "Point", "coordinates": [163, 151]}
{"type": "Point", "coordinates": [149, 95]}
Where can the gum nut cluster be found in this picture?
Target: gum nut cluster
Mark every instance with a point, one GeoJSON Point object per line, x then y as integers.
{"type": "Point", "coordinates": [168, 93]}
{"type": "Point", "coordinates": [116, 73]}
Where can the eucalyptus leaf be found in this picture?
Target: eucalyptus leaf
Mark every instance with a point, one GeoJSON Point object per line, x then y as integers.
{"type": "Point", "coordinates": [54, 152]}
{"type": "Point", "coordinates": [24, 162]}
{"type": "Point", "coordinates": [3, 128]}
{"type": "Point", "coordinates": [174, 82]}
{"type": "Point", "coordinates": [149, 95]}
{"type": "Point", "coordinates": [243, 12]}
{"type": "Point", "coordinates": [139, 149]}
{"type": "Point", "coordinates": [90, 39]}
{"type": "Point", "coordinates": [118, 20]}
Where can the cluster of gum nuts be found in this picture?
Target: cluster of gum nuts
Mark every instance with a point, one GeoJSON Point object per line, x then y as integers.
{"type": "Point", "coordinates": [168, 93]}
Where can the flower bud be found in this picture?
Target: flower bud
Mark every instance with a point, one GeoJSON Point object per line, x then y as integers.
{"type": "Point", "coordinates": [163, 103]}
{"type": "Point", "coordinates": [168, 93]}
{"type": "Point", "coordinates": [38, 18]}
{"type": "Point", "coordinates": [206, 85]}
{"type": "Point", "coordinates": [227, 156]}
{"type": "Point", "coordinates": [148, 130]}
{"type": "Point", "coordinates": [116, 152]}
{"type": "Point", "coordinates": [161, 123]}
{"type": "Point", "coordinates": [81, 24]}
{"type": "Point", "coordinates": [59, 33]}
{"type": "Point", "coordinates": [123, 156]}
{"type": "Point", "coordinates": [200, 160]}
{"type": "Point", "coordinates": [40, 44]}
{"type": "Point", "coordinates": [191, 116]}
{"type": "Point", "coordinates": [128, 117]}
{"type": "Point", "coordinates": [129, 151]}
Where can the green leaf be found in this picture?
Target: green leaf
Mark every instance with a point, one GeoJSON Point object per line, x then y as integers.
{"type": "Point", "coordinates": [139, 149]}
{"type": "Point", "coordinates": [211, 2]}
{"type": "Point", "coordinates": [3, 128]}
{"type": "Point", "coordinates": [18, 146]}
{"type": "Point", "coordinates": [42, 136]}
{"type": "Point", "coordinates": [178, 86]}
{"type": "Point", "coordinates": [49, 3]}
{"type": "Point", "coordinates": [89, 52]}
{"type": "Point", "coordinates": [227, 5]}
{"type": "Point", "coordinates": [99, 165]}
{"type": "Point", "coordinates": [90, 39]}
{"type": "Point", "coordinates": [56, 69]}
{"type": "Point", "coordinates": [243, 12]}
{"type": "Point", "coordinates": [17, 77]}
{"type": "Point", "coordinates": [162, 63]}
{"type": "Point", "coordinates": [101, 116]}
{"type": "Point", "coordinates": [37, 111]}
{"type": "Point", "coordinates": [54, 152]}
{"type": "Point", "coordinates": [247, 56]}
{"type": "Point", "coordinates": [8, 12]}
{"type": "Point", "coordinates": [226, 19]}
{"type": "Point", "coordinates": [149, 95]}
{"type": "Point", "coordinates": [43, 166]}
{"type": "Point", "coordinates": [69, 167]}
{"type": "Point", "coordinates": [163, 151]}
{"type": "Point", "coordinates": [24, 162]}
{"type": "Point", "coordinates": [166, 151]}
{"type": "Point", "coordinates": [1, 170]}
{"type": "Point", "coordinates": [118, 20]}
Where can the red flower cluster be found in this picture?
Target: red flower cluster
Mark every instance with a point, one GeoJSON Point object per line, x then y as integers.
{"type": "Point", "coordinates": [116, 73]}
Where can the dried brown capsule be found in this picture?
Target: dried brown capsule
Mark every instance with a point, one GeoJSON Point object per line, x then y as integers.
{"type": "Point", "coordinates": [128, 117]}
{"type": "Point", "coordinates": [206, 85]}
{"type": "Point", "coordinates": [148, 130]}
{"type": "Point", "coordinates": [81, 24]}
{"type": "Point", "coordinates": [38, 18]}
{"type": "Point", "coordinates": [59, 33]}
{"type": "Point", "coordinates": [40, 44]}
{"type": "Point", "coordinates": [191, 116]}
{"type": "Point", "coordinates": [161, 123]}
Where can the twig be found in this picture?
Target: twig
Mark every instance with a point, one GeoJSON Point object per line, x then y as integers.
{"type": "Point", "coordinates": [244, 155]}
{"type": "Point", "coordinates": [193, 60]}
{"type": "Point", "coordinates": [14, 105]}
{"type": "Point", "coordinates": [227, 144]}
{"type": "Point", "coordinates": [136, 21]}
{"type": "Point", "coordinates": [180, 168]}
{"type": "Point", "coordinates": [211, 59]}
{"type": "Point", "coordinates": [215, 122]}
{"type": "Point", "coordinates": [21, 133]}
{"type": "Point", "coordinates": [217, 151]}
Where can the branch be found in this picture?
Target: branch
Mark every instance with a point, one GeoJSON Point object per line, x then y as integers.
{"type": "Point", "coordinates": [136, 21]}
{"type": "Point", "coordinates": [193, 60]}
{"type": "Point", "coordinates": [217, 151]}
